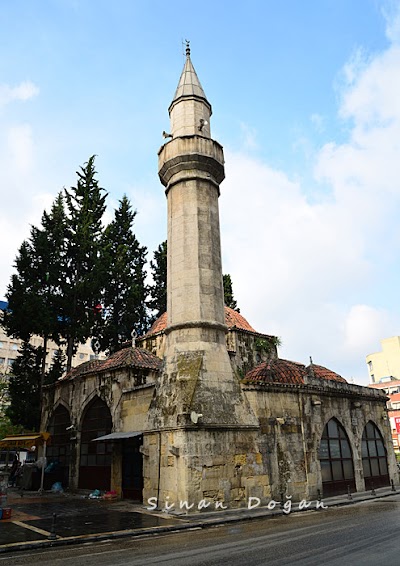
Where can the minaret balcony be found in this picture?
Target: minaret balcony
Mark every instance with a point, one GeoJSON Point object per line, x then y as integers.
{"type": "Point", "coordinates": [191, 157]}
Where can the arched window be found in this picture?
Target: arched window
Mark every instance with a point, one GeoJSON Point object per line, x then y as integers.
{"type": "Point", "coordinates": [336, 460]}
{"type": "Point", "coordinates": [95, 457]}
{"type": "Point", "coordinates": [59, 449]}
{"type": "Point", "coordinates": [374, 459]}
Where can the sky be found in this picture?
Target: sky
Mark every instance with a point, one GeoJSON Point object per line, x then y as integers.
{"type": "Point", "coordinates": [306, 103]}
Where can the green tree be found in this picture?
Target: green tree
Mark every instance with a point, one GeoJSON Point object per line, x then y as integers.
{"type": "Point", "coordinates": [34, 292]}
{"type": "Point", "coordinates": [82, 286]}
{"type": "Point", "coordinates": [57, 367]}
{"type": "Point", "coordinates": [24, 388]}
{"type": "Point", "coordinates": [125, 292]}
{"type": "Point", "coordinates": [6, 427]}
{"type": "Point", "coordinates": [228, 293]}
{"type": "Point", "coordinates": [19, 318]}
{"type": "Point", "coordinates": [158, 291]}
{"type": "Point", "coordinates": [3, 394]}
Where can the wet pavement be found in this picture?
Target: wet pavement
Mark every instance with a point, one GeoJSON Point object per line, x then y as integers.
{"type": "Point", "coordinates": [52, 519]}
{"type": "Point", "coordinates": [47, 517]}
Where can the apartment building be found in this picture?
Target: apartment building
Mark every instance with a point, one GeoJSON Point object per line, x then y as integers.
{"type": "Point", "coordinates": [9, 349]}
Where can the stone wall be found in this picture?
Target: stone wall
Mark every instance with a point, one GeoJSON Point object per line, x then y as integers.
{"type": "Point", "coordinates": [292, 420]}
{"type": "Point", "coordinates": [248, 349]}
{"type": "Point", "coordinates": [204, 467]}
{"type": "Point", "coordinates": [127, 393]}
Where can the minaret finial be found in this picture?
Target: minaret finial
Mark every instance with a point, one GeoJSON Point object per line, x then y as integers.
{"type": "Point", "coordinates": [187, 47]}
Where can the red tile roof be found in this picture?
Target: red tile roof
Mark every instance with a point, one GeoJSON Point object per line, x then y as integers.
{"type": "Point", "coordinates": [324, 373]}
{"type": "Point", "coordinates": [233, 319]}
{"type": "Point", "coordinates": [277, 370]}
{"type": "Point", "coordinates": [127, 357]}
{"type": "Point", "coordinates": [134, 357]}
{"type": "Point", "coordinates": [86, 367]}
{"type": "Point", "coordinates": [158, 326]}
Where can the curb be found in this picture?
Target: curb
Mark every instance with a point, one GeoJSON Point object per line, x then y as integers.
{"type": "Point", "coordinates": [189, 524]}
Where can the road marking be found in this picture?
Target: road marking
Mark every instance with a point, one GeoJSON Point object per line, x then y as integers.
{"type": "Point", "coordinates": [31, 528]}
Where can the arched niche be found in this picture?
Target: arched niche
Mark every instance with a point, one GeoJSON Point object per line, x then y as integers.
{"type": "Point", "coordinates": [95, 457]}
{"type": "Point", "coordinates": [59, 448]}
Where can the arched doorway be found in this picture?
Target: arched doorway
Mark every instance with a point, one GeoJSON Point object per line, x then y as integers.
{"type": "Point", "coordinates": [95, 457]}
{"type": "Point", "coordinates": [132, 468]}
{"type": "Point", "coordinates": [59, 449]}
{"type": "Point", "coordinates": [374, 458]}
{"type": "Point", "coordinates": [336, 460]}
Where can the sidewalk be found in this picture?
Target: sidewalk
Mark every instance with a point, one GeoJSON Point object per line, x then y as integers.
{"type": "Point", "coordinates": [79, 519]}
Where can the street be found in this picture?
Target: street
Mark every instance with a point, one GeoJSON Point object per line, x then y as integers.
{"type": "Point", "coordinates": [361, 534]}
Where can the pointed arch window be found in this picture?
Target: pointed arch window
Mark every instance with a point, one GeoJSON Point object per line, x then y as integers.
{"type": "Point", "coordinates": [59, 448]}
{"type": "Point", "coordinates": [336, 460]}
{"type": "Point", "coordinates": [374, 457]}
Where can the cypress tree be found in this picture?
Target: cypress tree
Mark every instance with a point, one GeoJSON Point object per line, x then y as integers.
{"type": "Point", "coordinates": [24, 388]}
{"type": "Point", "coordinates": [57, 367]}
{"type": "Point", "coordinates": [22, 296]}
{"type": "Point", "coordinates": [34, 292]}
{"type": "Point", "coordinates": [158, 291]}
{"type": "Point", "coordinates": [125, 292]}
{"type": "Point", "coordinates": [228, 293]}
{"type": "Point", "coordinates": [82, 286]}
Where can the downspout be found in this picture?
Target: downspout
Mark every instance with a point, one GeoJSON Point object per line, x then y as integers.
{"type": "Point", "coordinates": [303, 441]}
{"type": "Point", "coordinates": [159, 467]}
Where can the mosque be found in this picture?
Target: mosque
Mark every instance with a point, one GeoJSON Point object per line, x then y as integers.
{"type": "Point", "coordinates": [202, 408]}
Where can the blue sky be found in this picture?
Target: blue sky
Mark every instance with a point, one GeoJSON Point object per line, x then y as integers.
{"type": "Point", "coordinates": [305, 102]}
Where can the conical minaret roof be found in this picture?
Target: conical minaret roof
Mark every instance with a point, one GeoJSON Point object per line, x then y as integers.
{"type": "Point", "coordinates": [189, 85]}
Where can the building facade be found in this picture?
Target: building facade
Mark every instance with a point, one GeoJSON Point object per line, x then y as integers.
{"type": "Point", "coordinates": [9, 349]}
{"type": "Point", "coordinates": [201, 410]}
{"type": "Point", "coordinates": [385, 365]}
{"type": "Point", "coordinates": [392, 390]}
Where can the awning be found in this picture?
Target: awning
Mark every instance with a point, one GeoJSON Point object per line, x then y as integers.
{"type": "Point", "coordinates": [24, 440]}
{"type": "Point", "coordinates": [117, 436]}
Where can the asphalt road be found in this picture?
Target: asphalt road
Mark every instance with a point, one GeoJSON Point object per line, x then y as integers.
{"type": "Point", "coordinates": [361, 534]}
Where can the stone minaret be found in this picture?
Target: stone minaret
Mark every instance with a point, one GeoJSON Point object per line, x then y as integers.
{"type": "Point", "coordinates": [191, 167]}
{"type": "Point", "coordinates": [197, 374]}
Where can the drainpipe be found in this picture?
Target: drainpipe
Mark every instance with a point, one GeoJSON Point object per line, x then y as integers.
{"type": "Point", "coordinates": [159, 467]}
{"type": "Point", "coordinates": [304, 442]}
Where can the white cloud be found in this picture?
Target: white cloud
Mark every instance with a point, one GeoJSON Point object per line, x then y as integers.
{"type": "Point", "coordinates": [249, 136]}
{"type": "Point", "coordinates": [24, 91]}
{"type": "Point", "coordinates": [23, 194]}
{"type": "Point", "coordinates": [364, 327]}
{"type": "Point", "coordinates": [306, 271]}
{"type": "Point", "coordinates": [392, 14]}
{"type": "Point", "coordinates": [150, 222]}
{"type": "Point", "coordinates": [20, 147]}
{"type": "Point", "coordinates": [318, 122]}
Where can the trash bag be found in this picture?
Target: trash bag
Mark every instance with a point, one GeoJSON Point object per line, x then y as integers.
{"type": "Point", "coordinates": [57, 487]}
{"type": "Point", "coordinates": [110, 495]}
{"type": "Point", "coordinates": [96, 494]}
